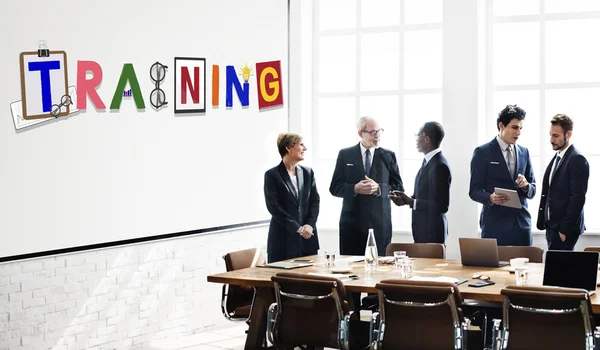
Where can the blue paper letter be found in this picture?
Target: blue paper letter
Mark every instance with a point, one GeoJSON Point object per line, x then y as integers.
{"type": "Point", "coordinates": [45, 67]}
{"type": "Point", "coordinates": [231, 81]}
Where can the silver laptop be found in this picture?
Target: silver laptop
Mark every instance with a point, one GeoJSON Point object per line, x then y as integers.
{"type": "Point", "coordinates": [571, 269]}
{"type": "Point", "coordinates": [480, 252]}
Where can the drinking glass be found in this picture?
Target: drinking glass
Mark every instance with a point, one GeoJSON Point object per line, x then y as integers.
{"type": "Point", "coordinates": [398, 257]}
{"type": "Point", "coordinates": [521, 276]}
{"type": "Point", "coordinates": [330, 257]}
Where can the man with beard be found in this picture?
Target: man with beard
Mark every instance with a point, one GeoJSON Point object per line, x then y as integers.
{"type": "Point", "coordinates": [564, 188]}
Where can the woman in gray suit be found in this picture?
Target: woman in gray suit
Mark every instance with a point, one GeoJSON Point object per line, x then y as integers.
{"type": "Point", "coordinates": [293, 201]}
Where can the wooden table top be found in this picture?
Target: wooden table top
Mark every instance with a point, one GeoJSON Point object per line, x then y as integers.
{"type": "Point", "coordinates": [261, 276]}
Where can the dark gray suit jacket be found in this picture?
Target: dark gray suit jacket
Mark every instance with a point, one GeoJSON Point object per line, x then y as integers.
{"type": "Point", "coordinates": [361, 211]}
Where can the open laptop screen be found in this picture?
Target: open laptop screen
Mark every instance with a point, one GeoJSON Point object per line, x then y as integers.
{"type": "Point", "coordinates": [571, 269]}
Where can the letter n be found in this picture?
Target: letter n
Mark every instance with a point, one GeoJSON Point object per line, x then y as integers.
{"type": "Point", "coordinates": [190, 85]}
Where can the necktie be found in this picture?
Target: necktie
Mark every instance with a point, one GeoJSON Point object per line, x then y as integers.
{"type": "Point", "coordinates": [511, 161]}
{"type": "Point", "coordinates": [416, 191]}
{"type": "Point", "coordinates": [422, 167]}
{"type": "Point", "coordinates": [367, 162]}
{"type": "Point", "coordinates": [556, 163]}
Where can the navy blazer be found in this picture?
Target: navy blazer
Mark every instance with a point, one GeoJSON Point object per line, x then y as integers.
{"type": "Point", "coordinates": [432, 194]}
{"type": "Point", "coordinates": [566, 194]}
{"type": "Point", "coordinates": [290, 212]}
{"type": "Point", "coordinates": [358, 210]}
{"type": "Point", "coordinates": [489, 170]}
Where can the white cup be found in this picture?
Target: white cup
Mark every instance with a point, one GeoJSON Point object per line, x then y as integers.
{"type": "Point", "coordinates": [518, 262]}
{"type": "Point", "coordinates": [341, 264]}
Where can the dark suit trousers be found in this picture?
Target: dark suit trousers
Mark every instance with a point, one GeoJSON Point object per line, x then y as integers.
{"type": "Point", "coordinates": [515, 236]}
{"type": "Point", "coordinates": [555, 243]}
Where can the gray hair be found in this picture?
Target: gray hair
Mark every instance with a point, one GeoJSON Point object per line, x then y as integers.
{"type": "Point", "coordinates": [361, 124]}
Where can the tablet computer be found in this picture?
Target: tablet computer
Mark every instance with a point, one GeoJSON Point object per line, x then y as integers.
{"type": "Point", "coordinates": [513, 197]}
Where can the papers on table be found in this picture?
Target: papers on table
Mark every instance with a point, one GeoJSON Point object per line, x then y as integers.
{"type": "Point", "coordinates": [454, 280]}
{"type": "Point", "coordinates": [286, 265]}
{"type": "Point", "coordinates": [336, 275]}
{"type": "Point", "coordinates": [352, 259]}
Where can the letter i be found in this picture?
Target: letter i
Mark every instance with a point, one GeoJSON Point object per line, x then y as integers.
{"type": "Point", "coordinates": [215, 86]}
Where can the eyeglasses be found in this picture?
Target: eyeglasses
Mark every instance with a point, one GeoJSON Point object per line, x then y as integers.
{"type": "Point", "coordinates": [477, 276]}
{"type": "Point", "coordinates": [418, 136]}
{"type": "Point", "coordinates": [157, 74]}
{"type": "Point", "coordinates": [373, 132]}
{"type": "Point", "coordinates": [64, 101]}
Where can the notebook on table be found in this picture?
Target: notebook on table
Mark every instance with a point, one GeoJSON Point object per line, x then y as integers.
{"type": "Point", "coordinates": [480, 252]}
{"type": "Point", "coordinates": [287, 265]}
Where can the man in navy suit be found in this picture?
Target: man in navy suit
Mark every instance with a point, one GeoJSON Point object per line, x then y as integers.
{"type": "Point", "coordinates": [431, 197]}
{"type": "Point", "coordinates": [564, 188]}
{"type": "Point", "coordinates": [504, 164]}
{"type": "Point", "coordinates": [363, 176]}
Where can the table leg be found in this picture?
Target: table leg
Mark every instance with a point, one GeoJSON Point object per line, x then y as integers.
{"type": "Point", "coordinates": [258, 318]}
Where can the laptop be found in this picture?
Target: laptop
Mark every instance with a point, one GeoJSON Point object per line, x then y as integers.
{"type": "Point", "coordinates": [480, 252]}
{"type": "Point", "coordinates": [571, 269]}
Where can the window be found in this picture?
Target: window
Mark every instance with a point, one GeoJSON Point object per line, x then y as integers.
{"type": "Point", "coordinates": [540, 59]}
{"type": "Point", "coordinates": [381, 58]}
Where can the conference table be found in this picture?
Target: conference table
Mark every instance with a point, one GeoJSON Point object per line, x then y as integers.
{"type": "Point", "coordinates": [260, 278]}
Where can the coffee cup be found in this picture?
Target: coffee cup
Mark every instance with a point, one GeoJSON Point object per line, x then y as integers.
{"type": "Point", "coordinates": [518, 262]}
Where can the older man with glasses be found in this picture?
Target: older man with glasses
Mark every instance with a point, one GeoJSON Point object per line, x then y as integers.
{"type": "Point", "coordinates": [364, 175]}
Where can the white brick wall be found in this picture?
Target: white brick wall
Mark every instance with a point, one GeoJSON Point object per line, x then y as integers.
{"type": "Point", "coordinates": [117, 298]}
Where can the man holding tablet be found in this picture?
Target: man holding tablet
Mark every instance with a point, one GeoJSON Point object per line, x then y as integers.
{"type": "Point", "coordinates": [503, 164]}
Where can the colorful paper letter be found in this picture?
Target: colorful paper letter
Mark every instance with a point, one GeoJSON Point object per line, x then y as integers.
{"type": "Point", "coordinates": [270, 93]}
{"type": "Point", "coordinates": [128, 75]}
{"type": "Point", "coordinates": [186, 83]}
{"type": "Point", "coordinates": [45, 67]}
{"type": "Point", "coordinates": [190, 94]}
{"type": "Point", "coordinates": [215, 85]}
{"type": "Point", "coordinates": [86, 87]}
{"type": "Point", "coordinates": [233, 81]}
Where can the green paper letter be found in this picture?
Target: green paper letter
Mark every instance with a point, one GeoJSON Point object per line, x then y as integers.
{"type": "Point", "coordinates": [128, 74]}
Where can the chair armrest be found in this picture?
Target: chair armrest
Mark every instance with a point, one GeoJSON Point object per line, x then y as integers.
{"type": "Point", "coordinates": [497, 340]}
{"type": "Point", "coordinates": [462, 333]}
{"type": "Point", "coordinates": [344, 331]}
{"type": "Point", "coordinates": [376, 331]}
{"type": "Point", "coordinates": [271, 322]}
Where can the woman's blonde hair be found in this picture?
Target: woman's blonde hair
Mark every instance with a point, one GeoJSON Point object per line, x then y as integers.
{"type": "Point", "coordinates": [285, 140]}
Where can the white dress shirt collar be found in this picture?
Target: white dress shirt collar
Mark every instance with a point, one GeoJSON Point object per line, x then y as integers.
{"type": "Point", "coordinates": [503, 144]}
{"type": "Point", "coordinates": [363, 149]}
{"type": "Point", "coordinates": [431, 154]}
{"type": "Point", "coordinates": [562, 153]}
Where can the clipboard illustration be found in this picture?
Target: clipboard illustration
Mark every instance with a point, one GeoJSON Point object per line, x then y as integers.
{"type": "Point", "coordinates": [44, 82]}
{"type": "Point", "coordinates": [16, 110]}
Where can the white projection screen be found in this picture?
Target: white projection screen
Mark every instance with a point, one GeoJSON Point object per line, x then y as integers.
{"type": "Point", "coordinates": [101, 177]}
